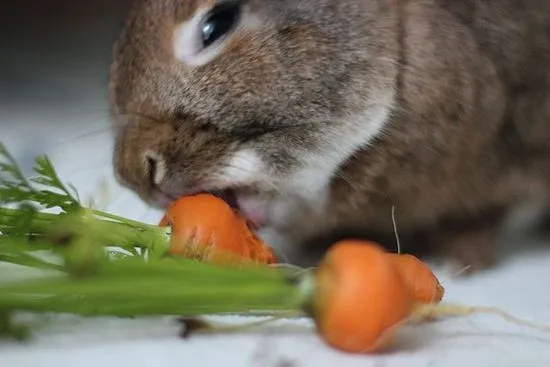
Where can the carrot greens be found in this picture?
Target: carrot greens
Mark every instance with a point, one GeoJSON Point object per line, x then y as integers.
{"type": "Point", "coordinates": [90, 262]}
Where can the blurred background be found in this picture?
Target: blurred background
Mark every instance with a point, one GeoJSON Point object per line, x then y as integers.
{"type": "Point", "coordinates": [54, 67]}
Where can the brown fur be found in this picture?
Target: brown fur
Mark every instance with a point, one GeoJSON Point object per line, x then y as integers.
{"type": "Point", "coordinates": [469, 134]}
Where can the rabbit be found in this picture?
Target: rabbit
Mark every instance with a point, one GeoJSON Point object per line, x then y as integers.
{"type": "Point", "coordinates": [330, 119]}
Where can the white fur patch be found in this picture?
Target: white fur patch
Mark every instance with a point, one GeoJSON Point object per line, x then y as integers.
{"type": "Point", "coordinates": [243, 167]}
{"type": "Point", "coordinates": [340, 144]}
{"type": "Point", "coordinates": [310, 186]}
{"type": "Point", "coordinates": [187, 39]}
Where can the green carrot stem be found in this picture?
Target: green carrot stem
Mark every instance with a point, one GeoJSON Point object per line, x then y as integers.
{"type": "Point", "coordinates": [49, 217]}
{"type": "Point", "coordinates": [29, 261]}
{"type": "Point", "coordinates": [105, 231]}
{"type": "Point", "coordinates": [181, 302]}
{"type": "Point", "coordinates": [132, 288]}
{"type": "Point", "coordinates": [120, 219]}
{"type": "Point", "coordinates": [40, 221]}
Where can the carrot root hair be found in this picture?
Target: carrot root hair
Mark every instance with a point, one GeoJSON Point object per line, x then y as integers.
{"type": "Point", "coordinates": [433, 311]}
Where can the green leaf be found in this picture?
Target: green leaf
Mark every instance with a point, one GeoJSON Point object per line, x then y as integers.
{"type": "Point", "coordinates": [49, 177]}
{"type": "Point", "coordinates": [10, 167]}
{"type": "Point", "coordinates": [74, 192]}
{"type": "Point", "coordinates": [20, 224]}
{"type": "Point", "coordinates": [16, 188]}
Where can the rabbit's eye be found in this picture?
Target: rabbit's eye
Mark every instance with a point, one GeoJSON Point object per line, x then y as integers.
{"type": "Point", "coordinates": [220, 21]}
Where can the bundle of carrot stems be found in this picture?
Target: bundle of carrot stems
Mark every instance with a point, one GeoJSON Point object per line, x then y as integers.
{"type": "Point", "coordinates": [89, 262]}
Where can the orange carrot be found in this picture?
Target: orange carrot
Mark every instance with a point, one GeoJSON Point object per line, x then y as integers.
{"type": "Point", "coordinates": [361, 295]}
{"type": "Point", "coordinates": [207, 228]}
{"type": "Point", "coordinates": [359, 298]}
{"type": "Point", "coordinates": [420, 279]}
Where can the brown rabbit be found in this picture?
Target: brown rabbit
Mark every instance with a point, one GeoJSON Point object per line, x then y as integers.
{"type": "Point", "coordinates": [316, 118]}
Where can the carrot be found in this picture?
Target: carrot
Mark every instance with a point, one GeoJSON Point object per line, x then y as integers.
{"type": "Point", "coordinates": [205, 227]}
{"type": "Point", "coordinates": [420, 279]}
{"type": "Point", "coordinates": [359, 298]}
{"type": "Point", "coordinates": [362, 295]}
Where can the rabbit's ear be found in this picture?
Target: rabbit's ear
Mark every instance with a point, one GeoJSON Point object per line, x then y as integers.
{"type": "Point", "coordinates": [204, 34]}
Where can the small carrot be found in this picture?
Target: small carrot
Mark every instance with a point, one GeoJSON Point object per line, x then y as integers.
{"type": "Point", "coordinates": [362, 295]}
{"type": "Point", "coordinates": [417, 275]}
{"type": "Point", "coordinates": [359, 297]}
{"type": "Point", "coordinates": [206, 227]}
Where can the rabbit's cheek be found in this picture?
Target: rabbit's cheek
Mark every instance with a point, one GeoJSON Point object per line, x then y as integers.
{"type": "Point", "coordinates": [244, 167]}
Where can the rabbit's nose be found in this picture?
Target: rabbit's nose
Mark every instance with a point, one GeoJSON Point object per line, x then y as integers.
{"type": "Point", "coordinates": [155, 166]}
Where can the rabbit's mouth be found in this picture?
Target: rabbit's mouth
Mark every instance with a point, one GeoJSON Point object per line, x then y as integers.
{"type": "Point", "coordinates": [243, 200]}
{"type": "Point", "coordinates": [246, 202]}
